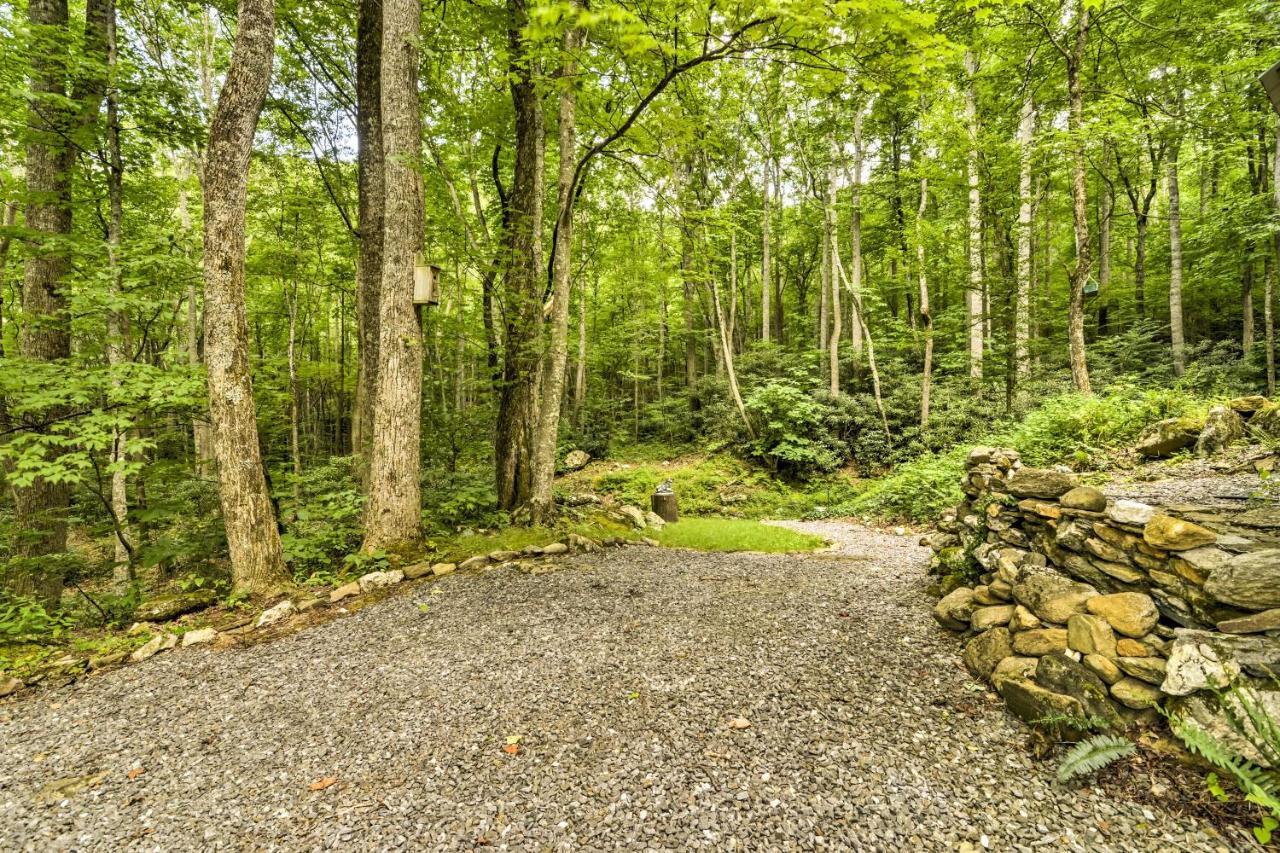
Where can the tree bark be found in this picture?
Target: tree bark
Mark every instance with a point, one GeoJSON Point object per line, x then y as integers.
{"type": "Point", "coordinates": [1268, 311]}
{"type": "Point", "coordinates": [371, 201]}
{"type": "Point", "coordinates": [926, 318]}
{"type": "Point", "coordinates": [855, 236]}
{"type": "Point", "coordinates": [542, 502]}
{"type": "Point", "coordinates": [1175, 266]}
{"type": "Point", "coordinates": [832, 237]}
{"type": "Point", "coordinates": [257, 563]}
{"type": "Point", "coordinates": [394, 512]}
{"type": "Point", "coordinates": [1246, 299]}
{"type": "Point", "coordinates": [766, 249]}
{"type": "Point", "coordinates": [973, 295]}
{"type": "Point", "coordinates": [517, 411]}
{"type": "Point", "coordinates": [1080, 201]}
{"type": "Point", "coordinates": [1022, 297]}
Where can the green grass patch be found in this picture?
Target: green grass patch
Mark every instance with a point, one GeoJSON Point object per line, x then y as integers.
{"type": "Point", "coordinates": [734, 534]}
{"type": "Point", "coordinates": [515, 538]}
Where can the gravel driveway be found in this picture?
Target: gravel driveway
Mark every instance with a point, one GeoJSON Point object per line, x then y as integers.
{"type": "Point", "coordinates": [621, 674]}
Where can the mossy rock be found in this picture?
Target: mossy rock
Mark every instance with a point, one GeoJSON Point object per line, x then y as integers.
{"type": "Point", "coordinates": [172, 606]}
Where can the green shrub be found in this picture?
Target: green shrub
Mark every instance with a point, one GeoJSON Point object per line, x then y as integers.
{"type": "Point", "coordinates": [325, 520]}
{"type": "Point", "coordinates": [23, 619]}
{"type": "Point", "coordinates": [793, 434]}
{"type": "Point", "coordinates": [915, 491]}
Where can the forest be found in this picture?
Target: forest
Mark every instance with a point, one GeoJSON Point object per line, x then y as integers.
{"type": "Point", "coordinates": [296, 289]}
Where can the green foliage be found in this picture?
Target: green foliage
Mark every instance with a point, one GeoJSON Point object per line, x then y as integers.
{"type": "Point", "coordinates": [1089, 756]}
{"type": "Point", "coordinates": [325, 524]}
{"type": "Point", "coordinates": [915, 491]}
{"type": "Point", "coordinates": [793, 436]}
{"type": "Point", "coordinates": [23, 619]}
{"type": "Point", "coordinates": [734, 534]}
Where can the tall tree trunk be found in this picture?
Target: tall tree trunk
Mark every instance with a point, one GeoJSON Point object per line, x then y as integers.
{"type": "Point", "coordinates": [766, 256]}
{"type": "Point", "coordinates": [580, 376]}
{"type": "Point", "coordinates": [726, 353]}
{"type": "Point", "coordinates": [1175, 266]}
{"type": "Point", "coordinates": [833, 239]}
{"type": "Point", "coordinates": [1268, 311]}
{"type": "Point", "coordinates": [1022, 297]}
{"type": "Point", "coordinates": [973, 295]}
{"type": "Point", "coordinates": [926, 319]}
{"type": "Point", "coordinates": [517, 401]}
{"type": "Point", "coordinates": [1105, 216]}
{"type": "Point", "coordinates": [371, 201]}
{"type": "Point", "coordinates": [257, 563]}
{"type": "Point", "coordinates": [855, 235]}
{"type": "Point", "coordinates": [118, 321]}
{"type": "Point", "coordinates": [1080, 200]}
{"type": "Point", "coordinates": [295, 412]}
{"type": "Point", "coordinates": [1141, 229]}
{"type": "Point", "coordinates": [542, 502]}
{"type": "Point", "coordinates": [56, 128]}
{"type": "Point", "coordinates": [394, 511]}
{"type": "Point", "coordinates": [201, 435]}
{"type": "Point", "coordinates": [1246, 299]}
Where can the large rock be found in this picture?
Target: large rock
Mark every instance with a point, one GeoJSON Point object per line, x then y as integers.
{"type": "Point", "coordinates": [1086, 498]}
{"type": "Point", "coordinates": [1250, 580]}
{"type": "Point", "coordinates": [1014, 667]}
{"type": "Point", "coordinates": [1148, 669]}
{"type": "Point", "coordinates": [1023, 619]}
{"type": "Point", "coordinates": [1133, 614]}
{"type": "Point", "coordinates": [199, 637]}
{"type": "Point", "coordinates": [172, 606]}
{"type": "Point", "coordinates": [1136, 694]}
{"type": "Point", "coordinates": [985, 618]}
{"type": "Point", "coordinates": [1088, 635]}
{"type": "Point", "coordinates": [1173, 534]}
{"type": "Point", "coordinates": [1061, 674]}
{"type": "Point", "coordinates": [575, 459]}
{"type": "Point", "coordinates": [1130, 512]}
{"type": "Point", "coordinates": [633, 516]}
{"type": "Point", "coordinates": [955, 609]}
{"type": "Point", "coordinates": [380, 580]}
{"type": "Point", "coordinates": [1254, 623]}
{"type": "Point", "coordinates": [1040, 706]}
{"type": "Point", "coordinates": [1246, 406]}
{"type": "Point", "coordinates": [983, 652]}
{"type": "Point", "coordinates": [1052, 597]}
{"type": "Point", "coordinates": [1040, 483]}
{"type": "Point", "coordinates": [1208, 659]}
{"type": "Point", "coordinates": [1222, 428]}
{"type": "Point", "coordinates": [1040, 641]}
{"type": "Point", "coordinates": [1164, 438]}
{"type": "Point", "coordinates": [1207, 712]}
{"type": "Point", "coordinates": [277, 613]}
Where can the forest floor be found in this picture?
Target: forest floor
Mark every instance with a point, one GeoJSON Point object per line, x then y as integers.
{"type": "Point", "coordinates": [640, 698]}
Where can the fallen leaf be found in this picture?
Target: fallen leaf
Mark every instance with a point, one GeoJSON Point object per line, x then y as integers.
{"type": "Point", "coordinates": [511, 748]}
{"type": "Point", "coordinates": [321, 784]}
{"type": "Point", "coordinates": [135, 772]}
{"type": "Point", "coordinates": [739, 723]}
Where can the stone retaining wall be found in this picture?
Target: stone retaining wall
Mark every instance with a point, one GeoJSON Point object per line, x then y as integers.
{"type": "Point", "coordinates": [1078, 607]}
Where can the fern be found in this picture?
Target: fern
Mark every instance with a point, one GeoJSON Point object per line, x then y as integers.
{"type": "Point", "coordinates": [1092, 755]}
{"type": "Point", "coordinates": [1258, 785]}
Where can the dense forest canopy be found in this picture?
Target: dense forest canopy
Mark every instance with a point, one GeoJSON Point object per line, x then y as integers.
{"type": "Point", "coordinates": [814, 235]}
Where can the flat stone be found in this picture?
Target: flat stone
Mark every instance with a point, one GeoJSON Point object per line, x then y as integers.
{"type": "Point", "coordinates": [502, 556]}
{"type": "Point", "coordinates": [1052, 597]}
{"type": "Point", "coordinates": [983, 652]}
{"type": "Point", "coordinates": [151, 648]}
{"type": "Point", "coordinates": [1014, 667]}
{"type": "Point", "coordinates": [1250, 580]}
{"type": "Point", "coordinates": [1200, 659]}
{"type": "Point", "coordinates": [9, 686]}
{"type": "Point", "coordinates": [1130, 648]}
{"type": "Point", "coordinates": [172, 606]}
{"type": "Point", "coordinates": [1130, 613]}
{"type": "Point", "coordinates": [1130, 512]}
{"type": "Point", "coordinates": [1062, 674]}
{"type": "Point", "coordinates": [1136, 694]}
{"type": "Point", "coordinates": [991, 617]}
{"type": "Point", "coordinates": [955, 609]}
{"type": "Point", "coordinates": [417, 570]}
{"type": "Point", "coordinates": [474, 562]}
{"type": "Point", "coordinates": [199, 637]}
{"type": "Point", "coordinates": [555, 548]}
{"type": "Point", "coordinates": [380, 580]}
{"type": "Point", "coordinates": [1103, 667]}
{"type": "Point", "coordinates": [1105, 551]}
{"type": "Point", "coordinates": [1089, 634]}
{"type": "Point", "coordinates": [1119, 571]}
{"type": "Point", "coordinates": [275, 614]}
{"type": "Point", "coordinates": [1023, 619]}
{"type": "Point", "coordinates": [1040, 483]}
{"type": "Point", "coordinates": [1086, 498]}
{"type": "Point", "coordinates": [1040, 641]}
{"type": "Point", "coordinates": [1247, 405]}
{"type": "Point", "coordinates": [1255, 623]}
{"type": "Point", "coordinates": [439, 570]}
{"type": "Point", "coordinates": [1034, 704]}
{"type": "Point", "coordinates": [345, 591]}
{"type": "Point", "coordinates": [1173, 534]}
{"type": "Point", "coordinates": [1148, 669]}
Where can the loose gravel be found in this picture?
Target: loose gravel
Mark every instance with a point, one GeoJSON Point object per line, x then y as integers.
{"type": "Point", "coordinates": [597, 706]}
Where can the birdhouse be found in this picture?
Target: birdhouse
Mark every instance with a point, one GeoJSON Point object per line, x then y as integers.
{"type": "Point", "coordinates": [1270, 81]}
{"type": "Point", "coordinates": [426, 283]}
{"type": "Point", "coordinates": [1090, 286]}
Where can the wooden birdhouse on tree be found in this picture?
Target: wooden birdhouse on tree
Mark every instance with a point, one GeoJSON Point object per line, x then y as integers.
{"type": "Point", "coordinates": [426, 282]}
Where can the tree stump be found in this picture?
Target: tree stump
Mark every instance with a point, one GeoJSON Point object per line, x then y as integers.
{"type": "Point", "coordinates": [664, 504]}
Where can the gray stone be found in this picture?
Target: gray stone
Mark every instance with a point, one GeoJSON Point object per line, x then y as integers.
{"type": "Point", "coordinates": [1222, 428]}
{"type": "Point", "coordinates": [1164, 438]}
{"type": "Point", "coordinates": [345, 591]}
{"type": "Point", "coordinates": [151, 648]}
{"type": "Point", "coordinates": [199, 637]}
{"type": "Point", "coordinates": [1250, 580]}
{"type": "Point", "coordinates": [1255, 623]}
{"type": "Point", "coordinates": [1052, 597]}
{"type": "Point", "coordinates": [1131, 513]}
{"type": "Point", "coordinates": [1040, 483]}
{"type": "Point", "coordinates": [172, 606]}
{"type": "Point", "coordinates": [955, 609]}
{"type": "Point", "coordinates": [1086, 498]}
{"type": "Point", "coordinates": [983, 652]}
{"type": "Point", "coordinates": [654, 521]}
{"type": "Point", "coordinates": [1200, 659]}
{"type": "Point", "coordinates": [1071, 535]}
{"type": "Point", "coordinates": [575, 459]}
{"type": "Point", "coordinates": [380, 580]}
{"type": "Point", "coordinates": [555, 548]}
{"type": "Point", "coordinates": [274, 614]}
{"type": "Point", "coordinates": [633, 515]}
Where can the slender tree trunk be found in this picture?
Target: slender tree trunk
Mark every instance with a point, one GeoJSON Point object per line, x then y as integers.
{"type": "Point", "coordinates": [55, 128]}
{"type": "Point", "coordinates": [973, 295]}
{"type": "Point", "coordinates": [855, 236]}
{"type": "Point", "coordinates": [1080, 201]}
{"type": "Point", "coordinates": [1175, 266]}
{"type": "Point", "coordinates": [861, 315]}
{"type": "Point", "coordinates": [1246, 299]}
{"type": "Point", "coordinates": [726, 352]}
{"type": "Point", "coordinates": [1022, 297]}
{"type": "Point", "coordinates": [542, 502]}
{"type": "Point", "coordinates": [580, 378]}
{"type": "Point", "coordinates": [1268, 311]}
{"type": "Point", "coordinates": [201, 436]}
{"type": "Point", "coordinates": [257, 563]}
{"type": "Point", "coordinates": [371, 201]}
{"type": "Point", "coordinates": [1141, 230]}
{"type": "Point", "coordinates": [766, 258]}
{"type": "Point", "coordinates": [926, 319]}
{"type": "Point", "coordinates": [394, 511]}
{"type": "Point", "coordinates": [295, 414]}
{"type": "Point", "coordinates": [1105, 215]}
{"type": "Point", "coordinates": [824, 295]}
{"type": "Point", "coordinates": [832, 237]}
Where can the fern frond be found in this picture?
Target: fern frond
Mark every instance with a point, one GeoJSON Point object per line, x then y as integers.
{"type": "Point", "coordinates": [1092, 755]}
{"type": "Point", "coordinates": [1258, 785]}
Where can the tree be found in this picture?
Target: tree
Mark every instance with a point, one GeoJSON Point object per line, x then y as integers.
{"type": "Point", "coordinates": [370, 190]}
{"type": "Point", "coordinates": [394, 513]}
{"type": "Point", "coordinates": [253, 540]}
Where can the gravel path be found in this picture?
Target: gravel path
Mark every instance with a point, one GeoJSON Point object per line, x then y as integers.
{"type": "Point", "coordinates": [621, 674]}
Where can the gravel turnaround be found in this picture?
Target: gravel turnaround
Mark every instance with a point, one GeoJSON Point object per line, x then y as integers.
{"type": "Point", "coordinates": [627, 677]}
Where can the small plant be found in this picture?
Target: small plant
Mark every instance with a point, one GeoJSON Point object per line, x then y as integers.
{"type": "Point", "coordinates": [1091, 755]}
{"type": "Point", "coordinates": [23, 619]}
{"type": "Point", "coordinates": [361, 563]}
